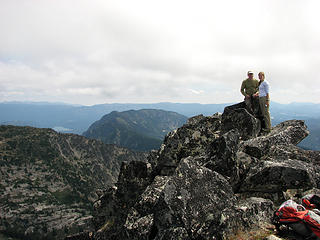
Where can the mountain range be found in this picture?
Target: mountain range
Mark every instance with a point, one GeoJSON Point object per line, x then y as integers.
{"type": "Point", "coordinates": [140, 130]}
{"type": "Point", "coordinates": [77, 119]}
{"type": "Point", "coordinates": [49, 180]}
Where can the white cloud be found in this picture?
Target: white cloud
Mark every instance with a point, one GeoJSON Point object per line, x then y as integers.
{"type": "Point", "coordinates": [98, 51]}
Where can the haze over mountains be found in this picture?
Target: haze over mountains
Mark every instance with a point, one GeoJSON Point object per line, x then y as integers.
{"type": "Point", "coordinates": [77, 119]}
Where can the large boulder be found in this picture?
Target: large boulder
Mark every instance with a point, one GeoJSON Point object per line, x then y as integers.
{"type": "Point", "coordinates": [272, 176]}
{"type": "Point", "coordinates": [133, 179]}
{"type": "Point", "coordinates": [222, 156]}
{"type": "Point", "coordinates": [285, 133]}
{"type": "Point", "coordinates": [192, 139]}
{"type": "Point", "coordinates": [237, 117]}
{"type": "Point", "coordinates": [112, 208]}
{"type": "Point", "coordinates": [253, 215]}
{"type": "Point", "coordinates": [290, 151]}
{"type": "Point", "coordinates": [255, 212]}
{"type": "Point", "coordinates": [140, 219]}
{"type": "Point", "coordinates": [193, 202]}
{"type": "Point", "coordinates": [105, 207]}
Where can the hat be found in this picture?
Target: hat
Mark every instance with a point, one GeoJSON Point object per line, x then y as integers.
{"type": "Point", "coordinates": [250, 72]}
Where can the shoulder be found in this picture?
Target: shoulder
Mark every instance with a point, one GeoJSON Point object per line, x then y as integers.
{"type": "Point", "coordinates": [245, 81]}
{"type": "Point", "coordinates": [266, 82]}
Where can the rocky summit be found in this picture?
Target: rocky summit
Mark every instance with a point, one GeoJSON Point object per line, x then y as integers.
{"type": "Point", "coordinates": [49, 180]}
{"type": "Point", "coordinates": [216, 177]}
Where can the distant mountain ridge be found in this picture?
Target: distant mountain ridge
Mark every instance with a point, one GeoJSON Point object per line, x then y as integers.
{"type": "Point", "coordinates": [77, 119]}
{"type": "Point", "coordinates": [140, 130]}
{"type": "Point", "coordinates": [48, 180]}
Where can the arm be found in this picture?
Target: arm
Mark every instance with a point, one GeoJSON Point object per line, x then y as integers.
{"type": "Point", "coordinates": [242, 89]}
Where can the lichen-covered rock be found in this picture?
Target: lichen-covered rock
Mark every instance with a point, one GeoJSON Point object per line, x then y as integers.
{"type": "Point", "coordinates": [193, 199]}
{"type": "Point", "coordinates": [245, 164]}
{"type": "Point", "coordinates": [222, 156]}
{"type": "Point", "coordinates": [290, 151]}
{"type": "Point", "coordinates": [140, 218]}
{"type": "Point", "coordinates": [149, 198]}
{"type": "Point", "coordinates": [140, 228]}
{"type": "Point", "coordinates": [271, 176]}
{"type": "Point", "coordinates": [112, 209]}
{"type": "Point", "coordinates": [191, 139]}
{"type": "Point", "coordinates": [237, 117]}
{"type": "Point", "coordinates": [285, 133]}
{"type": "Point", "coordinates": [134, 177]}
{"type": "Point", "coordinates": [255, 211]}
{"type": "Point", "coordinates": [105, 208]}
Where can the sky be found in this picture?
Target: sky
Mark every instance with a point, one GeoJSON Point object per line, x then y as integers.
{"type": "Point", "coordinates": [146, 51]}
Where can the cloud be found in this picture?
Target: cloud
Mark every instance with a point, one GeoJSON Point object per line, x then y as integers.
{"type": "Point", "coordinates": [99, 51]}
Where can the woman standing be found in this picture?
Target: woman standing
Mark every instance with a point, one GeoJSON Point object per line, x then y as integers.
{"type": "Point", "coordinates": [264, 101]}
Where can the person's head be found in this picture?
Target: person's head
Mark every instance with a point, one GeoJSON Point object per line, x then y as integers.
{"type": "Point", "coordinates": [250, 74]}
{"type": "Point", "coordinates": [261, 76]}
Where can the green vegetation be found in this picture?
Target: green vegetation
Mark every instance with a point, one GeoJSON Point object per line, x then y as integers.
{"type": "Point", "coordinates": [45, 177]}
{"type": "Point", "coordinates": [66, 197]}
{"type": "Point", "coordinates": [141, 130]}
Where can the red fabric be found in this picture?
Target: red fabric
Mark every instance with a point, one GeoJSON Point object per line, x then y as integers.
{"type": "Point", "coordinates": [313, 224]}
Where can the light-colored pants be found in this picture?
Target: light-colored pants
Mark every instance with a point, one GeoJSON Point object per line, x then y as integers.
{"type": "Point", "coordinates": [265, 112]}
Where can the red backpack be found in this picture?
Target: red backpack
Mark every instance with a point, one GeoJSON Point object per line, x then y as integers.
{"type": "Point", "coordinates": [311, 201]}
{"type": "Point", "coordinates": [302, 221]}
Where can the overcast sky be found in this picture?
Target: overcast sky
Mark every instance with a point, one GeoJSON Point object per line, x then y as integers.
{"type": "Point", "coordinates": [100, 51]}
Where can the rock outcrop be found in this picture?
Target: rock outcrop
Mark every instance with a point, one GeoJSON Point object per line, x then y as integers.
{"type": "Point", "coordinates": [216, 177]}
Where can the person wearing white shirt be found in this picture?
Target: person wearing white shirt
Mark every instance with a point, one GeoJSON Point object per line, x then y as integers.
{"type": "Point", "coordinates": [264, 101]}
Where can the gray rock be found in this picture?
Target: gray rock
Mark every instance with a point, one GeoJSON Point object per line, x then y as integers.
{"type": "Point", "coordinates": [255, 211]}
{"type": "Point", "coordinates": [193, 199]}
{"type": "Point", "coordinates": [178, 233]}
{"type": "Point", "coordinates": [149, 198]}
{"type": "Point", "coordinates": [112, 209]}
{"type": "Point", "coordinates": [105, 208]}
{"type": "Point", "coordinates": [285, 133]}
{"type": "Point", "coordinates": [273, 237]}
{"type": "Point", "coordinates": [139, 228]}
{"type": "Point", "coordinates": [191, 139]}
{"type": "Point", "coordinates": [133, 179]}
{"type": "Point", "coordinates": [245, 163]}
{"type": "Point", "coordinates": [140, 218]}
{"type": "Point", "coordinates": [237, 117]}
{"type": "Point", "coordinates": [290, 151]}
{"type": "Point", "coordinates": [271, 176]}
{"type": "Point", "coordinates": [222, 156]}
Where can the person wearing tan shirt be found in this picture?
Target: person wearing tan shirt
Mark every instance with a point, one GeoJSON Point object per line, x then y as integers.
{"type": "Point", "coordinates": [249, 89]}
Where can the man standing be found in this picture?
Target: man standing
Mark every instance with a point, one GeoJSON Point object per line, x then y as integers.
{"type": "Point", "coordinates": [249, 89]}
